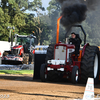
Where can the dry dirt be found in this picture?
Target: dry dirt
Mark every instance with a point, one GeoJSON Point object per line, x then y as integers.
{"type": "Point", "coordinates": [23, 87]}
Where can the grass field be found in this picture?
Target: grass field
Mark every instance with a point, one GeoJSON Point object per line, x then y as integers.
{"type": "Point", "coordinates": [21, 72]}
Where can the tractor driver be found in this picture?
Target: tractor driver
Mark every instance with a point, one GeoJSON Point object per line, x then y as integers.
{"type": "Point", "coordinates": [76, 41]}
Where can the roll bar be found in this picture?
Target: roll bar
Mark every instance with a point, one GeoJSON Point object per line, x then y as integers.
{"type": "Point", "coordinates": [81, 29]}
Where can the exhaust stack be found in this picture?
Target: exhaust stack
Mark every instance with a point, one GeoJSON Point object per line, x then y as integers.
{"type": "Point", "coordinates": [57, 36]}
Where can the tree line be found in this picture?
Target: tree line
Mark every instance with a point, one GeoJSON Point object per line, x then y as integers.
{"type": "Point", "coordinates": [12, 13]}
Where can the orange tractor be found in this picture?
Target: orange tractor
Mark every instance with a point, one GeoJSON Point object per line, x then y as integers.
{"type": "Point", "coordinates": [60, 62]}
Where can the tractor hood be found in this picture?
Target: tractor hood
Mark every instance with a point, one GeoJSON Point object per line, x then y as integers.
{"type": "Point", "coordinates": [17, 47]}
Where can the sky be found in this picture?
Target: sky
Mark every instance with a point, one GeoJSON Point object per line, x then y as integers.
{"type": "Point", "coordinates": [45, 3]}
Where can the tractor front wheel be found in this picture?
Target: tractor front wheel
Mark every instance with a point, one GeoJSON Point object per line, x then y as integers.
{"type": "Point", "coordinates": [43, 73]}
{"type": "Point", "coordinates": [75, 75]}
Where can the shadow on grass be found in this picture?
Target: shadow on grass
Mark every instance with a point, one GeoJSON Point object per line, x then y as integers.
{"type": "Point", "coordinates": [10, 72]}
{"type": "Point", "coordinates": [17, 77]}
{"type": "Point", "coordinates": [21, 72]}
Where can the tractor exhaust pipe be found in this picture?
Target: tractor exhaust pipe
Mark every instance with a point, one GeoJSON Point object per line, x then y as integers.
{"type": "Point", "coordinates": [58, 24]}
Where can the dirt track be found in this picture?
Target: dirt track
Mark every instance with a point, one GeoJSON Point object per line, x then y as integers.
{"type": "Point", "coordinates": [24, 88]}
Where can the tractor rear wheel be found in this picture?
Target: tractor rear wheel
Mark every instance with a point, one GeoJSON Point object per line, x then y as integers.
{"type": "Point", "coordinates": [25, 58]}
{"type": "Point", "coordinates": [90, 64]}
{"type": "Point", "coordinates": [31, 58]}
{"type": "Point", "coordinates": [43, 73]}
{"type": "Point", "coordinates": [5, 53]}
{"type": "Point", "coordinates": [75, 75]}
{"type": "Point", "coordinates": [50, 52]}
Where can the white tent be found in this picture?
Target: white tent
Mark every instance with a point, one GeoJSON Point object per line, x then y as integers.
{"type": "Point", "coordinates": [5, 46]}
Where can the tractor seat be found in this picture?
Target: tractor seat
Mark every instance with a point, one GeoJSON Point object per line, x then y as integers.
{"type": "Point", "coordinates": [79, 56]}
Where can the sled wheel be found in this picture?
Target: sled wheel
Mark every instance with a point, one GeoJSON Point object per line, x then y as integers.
{"type": "Point", "coordinates": [43, 73]}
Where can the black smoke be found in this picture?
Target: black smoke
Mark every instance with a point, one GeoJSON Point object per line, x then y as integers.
{"type": "Point", "coordinates": [91, 4]}
{"type": "Point", "coordinates": [74, 11]}
{"type": "Point", "coordinates": [73, 14]}
{"type": "Point", "coordinates": [61, 1]}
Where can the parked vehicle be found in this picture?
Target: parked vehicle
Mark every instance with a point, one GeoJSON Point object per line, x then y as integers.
{"type": "Point", "coordinates": [22, 52]}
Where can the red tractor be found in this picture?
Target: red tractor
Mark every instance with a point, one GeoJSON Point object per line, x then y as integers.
{"type": "Point", "coordinates": [60, 62]}
{"type": "Point", "coordinates": [22, 52]}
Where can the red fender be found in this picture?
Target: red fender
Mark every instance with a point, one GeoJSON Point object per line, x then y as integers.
{"type": "Point", "coordinates": [33, 51]}
{"type": "Point", "coordinates": [21, 51]}
{"type": "Point", "coordinates": [83, 51]}
{"type": "Point", "coordinates": [0, 53]}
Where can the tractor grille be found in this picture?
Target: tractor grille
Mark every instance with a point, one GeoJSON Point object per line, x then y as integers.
{"type": "Point", "coordinates": [14, 51]}
{"type": "Point", "coordinates": [60, 53]}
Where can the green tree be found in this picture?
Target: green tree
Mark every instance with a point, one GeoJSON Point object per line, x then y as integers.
{"type": "Point", "coordinates": [4, 22]}
{"type": "Point", "coordinates": [13, 14]}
